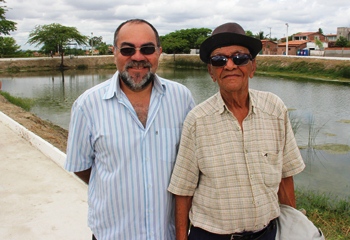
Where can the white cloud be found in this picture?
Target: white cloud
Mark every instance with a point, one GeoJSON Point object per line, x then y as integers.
{"type": "Point", "coordinates": [103, 16]}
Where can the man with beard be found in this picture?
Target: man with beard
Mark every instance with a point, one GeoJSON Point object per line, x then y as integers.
{"type": "Point", "coordinates": [123, 139]}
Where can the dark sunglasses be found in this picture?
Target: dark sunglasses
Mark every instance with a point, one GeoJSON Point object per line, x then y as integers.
{"type": "Point", "coordinates": [129, 51]}
{"type": "Point", "coordinates": [239, 59]}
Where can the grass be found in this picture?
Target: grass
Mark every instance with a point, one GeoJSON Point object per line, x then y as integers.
{"type": "Point", "coordinates": [328, 213]}
{"type": "Point", "coordinates": [25, 103]}
{"type": "Point", "coordinates": [304, 69]}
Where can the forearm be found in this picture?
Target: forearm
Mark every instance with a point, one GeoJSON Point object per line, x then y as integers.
{"type": "Point", "coordinates": [84, 175]}
{"type": "Point", "coordinates": [182, 207]}
{"type": "Point", "coordinates": [286, 193]}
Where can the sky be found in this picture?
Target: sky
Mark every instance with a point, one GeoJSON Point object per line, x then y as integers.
{"type": "Point", "coordinates": [102, 17]}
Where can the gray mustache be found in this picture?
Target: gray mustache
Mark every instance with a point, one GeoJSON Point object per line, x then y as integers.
{"type": "Point", "coordinates": [138, 64]}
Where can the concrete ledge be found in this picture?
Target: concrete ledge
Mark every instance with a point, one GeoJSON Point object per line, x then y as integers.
{"type": "Point", "coordinates": [43, 146]}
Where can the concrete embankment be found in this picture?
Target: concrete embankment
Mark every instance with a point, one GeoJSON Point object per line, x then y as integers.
{"type": "Point", "coordinates": [14, 65]}
{"type": "Point", "coordinates": [183, 60]}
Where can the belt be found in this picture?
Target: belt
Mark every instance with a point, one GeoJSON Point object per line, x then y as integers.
{"type": "Point", "coordinates": [253, 235]}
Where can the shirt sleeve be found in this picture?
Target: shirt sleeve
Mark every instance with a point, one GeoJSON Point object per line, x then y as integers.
{"type": "Point", "coordinates": [293, 162]}
{"type": "Point", "coordinates": [185, 176]}
{"type": "Point", "coordinates": [80, 153]}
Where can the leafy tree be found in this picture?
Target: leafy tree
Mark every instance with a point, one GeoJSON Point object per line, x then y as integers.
{"type": "Point", "coordinates": [341, 42]}
{"type": "Point", "coordinates": [319, 44]}
{"type": "Point", "coordinates": [260, 35]}
{"type": "Point", "coordinates": [6, 26]}
{"type": "Point", "coordinates": [95, 41]}
{"type": "Point", "coordinates": [175, 45]}
{"type": "Point", "coordinates": [103, 48]}
{"type": "Point", "coordinates": [181, 41]}
{"type": "Point", "coordinates": [56, 35]}
{"type": "Point", "coordinates": [320, 31]}
{"type": "Point", "coordinates": [249, 33]}
{"type": "Point", "coordinates": [8, 46]}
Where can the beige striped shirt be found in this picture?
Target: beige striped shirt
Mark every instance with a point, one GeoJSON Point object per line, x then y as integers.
{"type": "Point", "coordinates": [234, 175]}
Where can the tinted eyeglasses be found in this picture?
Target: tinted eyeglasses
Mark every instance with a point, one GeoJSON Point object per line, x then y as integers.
{"type": "Point", "coordinates": [239, 59]}
{"type": "Point", "coordinates": [129, 51]}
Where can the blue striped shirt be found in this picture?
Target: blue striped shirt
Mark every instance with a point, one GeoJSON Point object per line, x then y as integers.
{"type": "Point", "coordinates": [131, 164]}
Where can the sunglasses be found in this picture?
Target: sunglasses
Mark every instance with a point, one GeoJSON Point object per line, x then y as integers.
{"type": "Point", "coordinates": [239, 59]}
{"type": "Point", "coordinates": [129, 51]}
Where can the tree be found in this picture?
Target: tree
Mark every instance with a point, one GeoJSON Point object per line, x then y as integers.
{"type": "Point", "coordinates": [341, 42]}
{"type": "Point", "coordinates": [103, 48]}
{"type": "Point", "coordinates": [175, 45]}
{"type": "Point", "coordinates": [320, 31]}
{"type": "Point", "coordinates": [181, 41]}
{"type": "Point", "coordinates": [319, 44]}
{"type": "Point", "coordinates": [260, 35]}
{"type": "Point", "coordinates": [6, 26]}
{"type": "Point", "coordinates": [8, 46]}
{"type": "Point", "coordinates": [96, 43]}
{"type": "Point", "coordinates": [56, 35]}
{"type": "Point", "coordinates": [249, 33]}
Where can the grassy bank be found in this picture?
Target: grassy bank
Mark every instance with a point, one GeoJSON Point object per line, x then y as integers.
{"type": "Point", "coordinates": [24, 103]}
{"type": "Point", "coordinates": [299, 68]}
{"type": "Point", "coordinates": [328, 213]}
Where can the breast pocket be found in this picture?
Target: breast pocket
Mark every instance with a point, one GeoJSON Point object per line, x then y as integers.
{"type": "Point", "coordinates": [272, 168]}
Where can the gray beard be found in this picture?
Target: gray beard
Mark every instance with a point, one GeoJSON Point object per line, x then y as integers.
{"type": "Point", "coordinates": [129, 81]}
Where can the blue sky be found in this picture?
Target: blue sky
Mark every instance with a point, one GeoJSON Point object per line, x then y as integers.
{"type": "Point", "coordinates": [101, 17]}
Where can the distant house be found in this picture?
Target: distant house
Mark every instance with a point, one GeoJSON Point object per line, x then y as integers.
{"type": "Point", "coordinates": [331, 37]}
{"type": "Point", "coordinates": [309, 36]}
{"type": "Point", "coordinates": [269, 47]}
{"type": "Point", "coordinates": [293, 47]}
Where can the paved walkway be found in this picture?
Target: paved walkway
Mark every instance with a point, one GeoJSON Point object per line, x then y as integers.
{"type": "Point", "coordinates": [38, 198]}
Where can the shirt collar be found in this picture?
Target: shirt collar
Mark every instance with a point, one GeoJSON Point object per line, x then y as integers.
{"type": "Point", "coordinates": [222, 106]}
{"type": "Point", "coordinates": [115, 90]}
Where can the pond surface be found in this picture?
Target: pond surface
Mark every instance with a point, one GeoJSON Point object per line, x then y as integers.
{"type": "Point", "coordinates": [320, 112]}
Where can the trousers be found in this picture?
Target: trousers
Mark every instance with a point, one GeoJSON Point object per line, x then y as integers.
{"type": "Point", "coordinates": [268, 233]}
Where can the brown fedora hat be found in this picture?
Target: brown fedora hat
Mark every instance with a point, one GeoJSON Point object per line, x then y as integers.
{"type": "Point", "coordinates": [226, 35]}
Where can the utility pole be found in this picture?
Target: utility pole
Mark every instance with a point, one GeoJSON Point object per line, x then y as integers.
{"type": "Point", "coordinates": [270, 32]}
{"type": "Point", "coordinates": [287, 40]}
{"type": "Point", "coordinates": [92, 44]}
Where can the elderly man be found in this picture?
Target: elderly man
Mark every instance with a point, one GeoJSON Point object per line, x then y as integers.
{"type": "Point", "coordinates": [237, 154]}
{"type": "Point", "coordinates": [123, 139]}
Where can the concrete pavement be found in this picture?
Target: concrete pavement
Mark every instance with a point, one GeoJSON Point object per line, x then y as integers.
{"type": "Point", "coordinates": [38, 198]}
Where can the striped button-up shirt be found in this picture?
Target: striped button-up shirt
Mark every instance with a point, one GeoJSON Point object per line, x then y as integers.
{"type": "Point", "coordinates": [232, 173]}
{"type": "Point", "coordinates": [131, 164]}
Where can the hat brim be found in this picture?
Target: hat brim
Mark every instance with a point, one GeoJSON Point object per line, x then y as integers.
{"type": "Point", "coordinates": [227, 39]}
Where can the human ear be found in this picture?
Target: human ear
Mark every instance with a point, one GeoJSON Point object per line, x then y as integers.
{"type": "Point", "coordinates": [209, 67]}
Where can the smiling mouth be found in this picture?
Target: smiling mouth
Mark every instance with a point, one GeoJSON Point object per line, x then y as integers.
{"type": "Point", "coordinates": [138, 65]}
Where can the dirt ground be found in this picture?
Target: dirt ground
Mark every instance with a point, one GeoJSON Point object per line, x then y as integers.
{"type": "Point", "coordinates": [55, 135]}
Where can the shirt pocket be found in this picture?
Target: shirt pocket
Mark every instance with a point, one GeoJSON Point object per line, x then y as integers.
{"type": "Point", "coordinates": [272, 168]}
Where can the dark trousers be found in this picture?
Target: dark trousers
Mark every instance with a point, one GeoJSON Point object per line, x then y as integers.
{"type": "Point", "coordinates": [268, 233]}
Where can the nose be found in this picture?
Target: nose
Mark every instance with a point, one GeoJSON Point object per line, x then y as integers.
{"type": "Point", "coordinates": [230, 64]}
{"type": "Point", "coordinates": [138, 55]}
